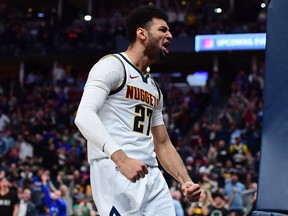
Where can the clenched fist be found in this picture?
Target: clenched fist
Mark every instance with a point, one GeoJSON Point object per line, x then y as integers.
{"type": "Point", "coordinates": [191, 191]}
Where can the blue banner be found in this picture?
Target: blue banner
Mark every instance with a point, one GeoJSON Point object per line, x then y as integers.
{"type": "Point", "coordinates": [221, 42]}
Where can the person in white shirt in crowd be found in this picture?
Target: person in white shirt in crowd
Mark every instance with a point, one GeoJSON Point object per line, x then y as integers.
{"type": "Point", "coordinates": [26, 207]}
{"type": "Point", "coordinates": [4, 121]}
{"type": "Point", "coordinates": [25, 148]}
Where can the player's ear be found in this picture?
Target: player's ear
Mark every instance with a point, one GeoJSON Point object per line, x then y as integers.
{"type": "Point", "coordinates": [141, 33]}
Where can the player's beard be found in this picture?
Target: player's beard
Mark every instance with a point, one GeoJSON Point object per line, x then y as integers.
{"type": "Point", "coordinates": [152, 48]}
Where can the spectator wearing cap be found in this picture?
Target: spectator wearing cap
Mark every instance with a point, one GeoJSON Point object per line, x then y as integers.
{"type": "Point", "coordinates": [238, 151]}
{"type": "Point", "coordinates": [234, 132]}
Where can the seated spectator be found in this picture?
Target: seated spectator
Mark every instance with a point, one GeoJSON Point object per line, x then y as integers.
{"type": "Point", "coordinates": [26, 206]}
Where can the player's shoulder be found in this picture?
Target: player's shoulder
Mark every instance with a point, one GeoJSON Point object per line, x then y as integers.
{"type": "Point", "coordinates": [110, 58]}
{"type": "Point", "coordinates": [109, 62]}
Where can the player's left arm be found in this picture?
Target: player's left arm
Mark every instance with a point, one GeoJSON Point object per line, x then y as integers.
{"type": "Point", "coordinates": [172, 162]}
{"type": "Point", "coordinates": [169, 157]}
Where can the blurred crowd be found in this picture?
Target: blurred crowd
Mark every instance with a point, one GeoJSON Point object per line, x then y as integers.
{"type": "Point", "coordinates": [35, 30]}
{"type": "Point", "coordinates": [40, 148]}
{"type": "Point", "coordinates": [43, 161]}
{"type": "Point", "coordinates": [219, 142]}
{"type": "Point", "coordinates": [217, 134]}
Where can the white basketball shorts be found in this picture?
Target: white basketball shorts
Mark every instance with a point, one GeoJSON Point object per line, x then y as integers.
{"type": "Point", "coordinates": [114, 195]}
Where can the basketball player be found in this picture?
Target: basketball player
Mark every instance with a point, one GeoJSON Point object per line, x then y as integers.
{"type": "Point", "coordinates": [120, 115]}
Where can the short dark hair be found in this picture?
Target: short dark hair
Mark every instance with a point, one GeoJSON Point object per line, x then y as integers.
{"type": "Point", "coordinates": [218, 194]}
{"type": "Point", "coordinates": [141, 17]}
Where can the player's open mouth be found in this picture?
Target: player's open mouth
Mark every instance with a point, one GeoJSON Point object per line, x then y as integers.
{"type": "Point", "coordinates": [166, 46]}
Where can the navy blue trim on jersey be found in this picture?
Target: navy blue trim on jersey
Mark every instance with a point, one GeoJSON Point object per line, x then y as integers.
{"type": "Point", "coordinates": [144, 78]}
{"type": "Point", "coordinates": [125, 78]}
{"type": "Point", "coordinates": [157, 86]}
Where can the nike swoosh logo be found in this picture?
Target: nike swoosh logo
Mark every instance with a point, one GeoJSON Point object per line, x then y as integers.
{"type": "Point", "coordinates": [133, 77]}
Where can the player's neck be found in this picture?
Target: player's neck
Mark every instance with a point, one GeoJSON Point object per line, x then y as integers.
{"type": "Point", "coordinates": [138, 58]}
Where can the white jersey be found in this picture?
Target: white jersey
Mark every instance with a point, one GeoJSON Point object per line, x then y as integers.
{"type": "Point", "coordinates": [129, 113]}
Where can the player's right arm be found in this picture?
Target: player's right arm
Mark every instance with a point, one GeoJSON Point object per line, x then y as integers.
{"type": "Point", "coordinates": [102, 78]}
{"type": "Point", "coordinates": [132, 169]}
{"type": "Point", "coordinates": [105, 76]}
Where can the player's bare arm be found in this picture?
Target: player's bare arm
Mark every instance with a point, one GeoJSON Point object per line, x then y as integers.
{"type": "Point", "coordinates": [132, 169]}
{"type": "Point", "coordinates": [173, 164]}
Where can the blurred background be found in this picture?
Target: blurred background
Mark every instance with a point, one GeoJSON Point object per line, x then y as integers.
{"type": "Point", "coordinates": [81, 31]}
{"type": "Point", "coordinates": [212, 81]}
